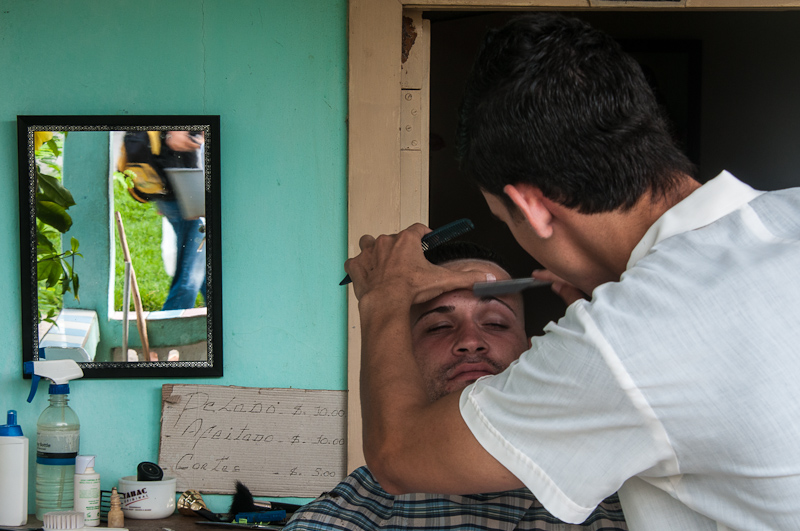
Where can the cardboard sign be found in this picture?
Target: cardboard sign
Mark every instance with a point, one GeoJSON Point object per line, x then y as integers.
{"type": "Point", "coordinates": [277, 442]}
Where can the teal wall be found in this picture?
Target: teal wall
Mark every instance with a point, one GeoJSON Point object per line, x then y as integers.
{"type": "Point", "coordinates": [275, 71]}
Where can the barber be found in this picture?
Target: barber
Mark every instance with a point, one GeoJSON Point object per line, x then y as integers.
{"type": "Point", "coordinates": [674, 381]}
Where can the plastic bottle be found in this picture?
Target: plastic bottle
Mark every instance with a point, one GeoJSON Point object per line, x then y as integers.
{"type": "Point", "coordinates": [87, 490]}
{"type": "Point", "coordinates": [13, 473]}
{"type": "Point", "coordinates": [57, 436]}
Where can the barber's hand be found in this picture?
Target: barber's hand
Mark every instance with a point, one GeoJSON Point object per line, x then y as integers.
{"type": "Point", "coordinates": [183, 141]}
{"type": "Point", "coordinates": [561, 287]}
{"type": "Point", "coordinates": [395, 269]}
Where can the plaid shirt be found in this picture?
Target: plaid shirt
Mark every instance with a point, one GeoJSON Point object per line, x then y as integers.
{"type": "Point", "coordinates": [359, 503]}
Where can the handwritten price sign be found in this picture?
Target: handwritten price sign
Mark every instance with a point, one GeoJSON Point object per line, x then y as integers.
{"type": "Point", "coordinates": [278, 442]}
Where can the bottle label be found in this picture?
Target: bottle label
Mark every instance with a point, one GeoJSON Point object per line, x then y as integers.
{"type": "Point", "coordinates": [57, 444]}
{"type": "Point", "coordinates": [57, 461]}
{"type": "Point", "coordinates": [87, 498]}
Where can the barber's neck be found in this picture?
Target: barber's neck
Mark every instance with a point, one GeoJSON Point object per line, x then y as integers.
{"type": "Point", "coordinates": [602, 243]}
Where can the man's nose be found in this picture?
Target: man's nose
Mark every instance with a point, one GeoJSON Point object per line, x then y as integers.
{"type": "Point", "coordinates": [469, 340]}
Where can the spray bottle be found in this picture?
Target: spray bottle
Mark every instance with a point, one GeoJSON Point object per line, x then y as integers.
{"type": "Point", "coordinates": [57, 436]}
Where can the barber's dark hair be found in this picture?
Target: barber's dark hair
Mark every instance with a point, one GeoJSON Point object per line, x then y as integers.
{"type": "Point", "coordinates": [555, 103]}
{"type": "Point", "coordinates": [462, 250]}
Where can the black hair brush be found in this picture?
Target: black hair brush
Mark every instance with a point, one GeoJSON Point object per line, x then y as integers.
{"type": "Point", "coordinates": [246, 513]}
{"type": "Point", "coordinates": [243, 502]}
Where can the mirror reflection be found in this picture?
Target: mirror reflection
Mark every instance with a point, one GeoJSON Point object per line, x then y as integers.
{"type": "Point", "coordinates": [119, 217]}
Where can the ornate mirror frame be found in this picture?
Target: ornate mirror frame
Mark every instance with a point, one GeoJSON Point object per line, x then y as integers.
{"type": "Point", "coordinates": [209, 125]}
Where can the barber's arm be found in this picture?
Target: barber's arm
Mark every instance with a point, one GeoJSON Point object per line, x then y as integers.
{"type": "Point", "coordinates": [410, 444]}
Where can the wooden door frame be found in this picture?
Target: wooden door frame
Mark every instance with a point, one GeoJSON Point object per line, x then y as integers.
{"type": "Point", "coordinates": [383, 196]}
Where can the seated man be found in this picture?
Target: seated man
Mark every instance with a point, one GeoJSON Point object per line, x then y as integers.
{"type": "Point", "coordinates": [457, 338]}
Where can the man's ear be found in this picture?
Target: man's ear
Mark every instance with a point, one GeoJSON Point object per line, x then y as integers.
{"type": "Point", "coordinates": [529, 200]}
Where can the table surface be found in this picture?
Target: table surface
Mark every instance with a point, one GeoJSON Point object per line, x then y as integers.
{"type": "Point", "coordinates": [176, 522]}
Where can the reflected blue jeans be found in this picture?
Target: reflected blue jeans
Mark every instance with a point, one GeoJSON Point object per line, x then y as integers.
{"type": "Point", "coordinates": [190, 267]}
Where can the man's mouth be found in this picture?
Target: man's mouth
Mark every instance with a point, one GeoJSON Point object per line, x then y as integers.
{"type": "Point", "coordinates": [471, 371]}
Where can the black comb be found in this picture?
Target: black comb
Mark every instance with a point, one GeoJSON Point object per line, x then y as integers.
{"type": "Point", "coordinates": [437, 237]}
{"type": "Point", "coordinates": [105, 503]}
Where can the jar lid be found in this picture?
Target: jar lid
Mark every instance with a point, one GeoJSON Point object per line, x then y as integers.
{"type": "Point", "coordinates": [147, 471]}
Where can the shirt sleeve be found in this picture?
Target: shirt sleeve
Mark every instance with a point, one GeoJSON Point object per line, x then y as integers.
{"type": "Point", "coordinates": [567, 420]}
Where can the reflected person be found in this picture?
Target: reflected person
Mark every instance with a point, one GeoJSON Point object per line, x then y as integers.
{"type": "Point", "coordinates": [184, 150]}
{"type": "Point", "coordinates": [457, 338]}
{"type": "Point", "coordinates": [146, 156]}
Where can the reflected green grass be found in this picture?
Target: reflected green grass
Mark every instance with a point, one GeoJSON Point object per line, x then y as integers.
{"type": "Point", "coordinates": [142, 224]}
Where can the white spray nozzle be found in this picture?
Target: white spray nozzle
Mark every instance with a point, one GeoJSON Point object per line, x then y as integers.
{"type": "Point", "coordinates": [59, 372]}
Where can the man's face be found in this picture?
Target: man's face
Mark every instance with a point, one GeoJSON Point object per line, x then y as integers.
{"type": "Point", "coordinates": [458, 337]}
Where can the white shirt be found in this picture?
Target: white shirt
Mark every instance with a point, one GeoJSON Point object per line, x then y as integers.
{"type": "Point", "coordinates": [679, 385]}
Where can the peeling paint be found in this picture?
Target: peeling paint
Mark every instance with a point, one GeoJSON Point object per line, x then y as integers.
{"type": "Point", "coordinates": [409, 37]}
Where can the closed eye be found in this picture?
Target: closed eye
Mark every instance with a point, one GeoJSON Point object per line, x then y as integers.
{"type": "Point", "coordinates": [438, 327]}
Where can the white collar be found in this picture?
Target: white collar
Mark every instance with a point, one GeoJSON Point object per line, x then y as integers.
{"type": "Point", "coordinates": [717, 198]}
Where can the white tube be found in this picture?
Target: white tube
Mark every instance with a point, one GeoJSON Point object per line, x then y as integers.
{"type": "Point", "coordinates": [87, 490]}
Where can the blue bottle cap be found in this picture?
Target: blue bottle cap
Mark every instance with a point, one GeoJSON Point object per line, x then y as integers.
{"type": "Point", "coordinates": [59, 389]}
{"type": "Point", "coordinates": [12, 429]}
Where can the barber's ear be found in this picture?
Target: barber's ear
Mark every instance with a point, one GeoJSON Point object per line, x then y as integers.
{"type": "Point", "coordinates": [530, 202]}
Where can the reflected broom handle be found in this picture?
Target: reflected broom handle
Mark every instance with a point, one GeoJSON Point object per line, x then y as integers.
{"type": "Point", "coordinates": [137, 299]}
{"type": "Point", "coordinates": [126, 304]}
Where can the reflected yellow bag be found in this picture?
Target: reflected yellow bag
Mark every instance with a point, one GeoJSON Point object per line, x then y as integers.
{"type": "Point", "coordinates": [147, 183]}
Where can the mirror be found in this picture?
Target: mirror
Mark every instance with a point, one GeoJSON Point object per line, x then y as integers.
{"type": "Point", "coordinates": [121, 212]}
